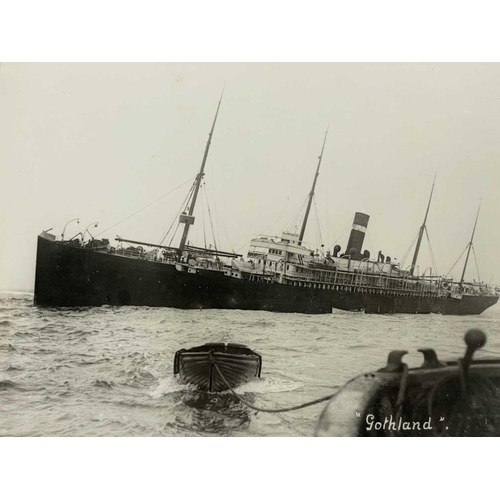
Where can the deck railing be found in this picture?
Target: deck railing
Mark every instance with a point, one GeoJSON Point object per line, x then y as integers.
{"type": "Point", "coordinates": [366, 281]}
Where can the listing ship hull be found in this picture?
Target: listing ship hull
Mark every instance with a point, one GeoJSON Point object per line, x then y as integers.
{"type": "Point", "coordinates": [74, 276]}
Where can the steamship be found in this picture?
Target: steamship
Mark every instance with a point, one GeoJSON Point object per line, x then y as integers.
{"type": "Point", "coordinates": [279, 273]}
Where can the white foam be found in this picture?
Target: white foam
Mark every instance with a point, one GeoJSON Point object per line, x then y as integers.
{"type": "Point", "coordinates": [168, 385]}
{"type": "Point", "coordinates": [268, 386]}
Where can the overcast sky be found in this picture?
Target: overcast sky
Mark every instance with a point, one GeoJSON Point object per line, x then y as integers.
{"type": "Point", "coordinates": [101, 141]}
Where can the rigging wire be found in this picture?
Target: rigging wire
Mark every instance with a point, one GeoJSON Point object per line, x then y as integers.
{"type": "Point", "coordinates": [203, 217]}
{"type": "Point", "coordinates": [144, 208]}
{"type": "Point", "coordinates": [329, 227]}
{"type": "Point", "coordinates": [370, 240]}
{"type": "Point", "coordinates": [431, 252]}
{"type": "Point", "coordinates": [215, 230]}
{"type": "Point", "coordinates": [215, 205]}
{"type": "Point", "coordinates": [475, 260]}
{"type": "Point", "coordinates": [293, 225]}
{"type": "Point", "coordinates": [412, 244]}
{"type": "Point", "coordinates": [342, 233]}
{"type": "Point", "coordinates": [225, 230]}
{"type": "Point", "coordinates": [283, 213]}
{"type": "Point", "coordinates": [211, 222]}
{"type": "Point", "coordinates": [185, 204]}
{"type": "Point", "coordinates": [61, 223]}
{"type": "Point", "coordinates": [327, 211]}
{"type": "Point", "coordinates": [227, 237]}
{"type": "Point", "coordinates": [176, 217]}
{"type": "Point", "coordinates": [451, 269]}
{"type": "Point", "coordinates": [319, 237]}
{"type": "Point", "coordinates": [175, 232]}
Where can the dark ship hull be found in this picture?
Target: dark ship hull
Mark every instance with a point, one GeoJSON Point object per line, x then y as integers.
{"type": "Point", "coordinates": [75, 276]}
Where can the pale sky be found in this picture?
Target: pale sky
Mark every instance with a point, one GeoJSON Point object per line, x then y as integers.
{"type": "Point", "coordinates": [101, 141]}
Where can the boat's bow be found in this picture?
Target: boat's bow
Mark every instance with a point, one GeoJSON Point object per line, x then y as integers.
{"type": "Point", "coordinates": [236, 363]}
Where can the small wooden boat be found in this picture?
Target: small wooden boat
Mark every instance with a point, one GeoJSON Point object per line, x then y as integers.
{"type": "Point", "coordinates": [237, 363]}
{"type": "Point", "coordinates": [454, 398]}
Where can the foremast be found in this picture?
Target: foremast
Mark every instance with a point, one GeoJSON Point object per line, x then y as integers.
{"type": "Point", "coordinates": [311, 194]}
{"type": "Point", "coordinates": [470, 245]}
{"type": "Point", "coordinates": [188, 219]}
{"type": "Point", "coordinates": [422, 229]}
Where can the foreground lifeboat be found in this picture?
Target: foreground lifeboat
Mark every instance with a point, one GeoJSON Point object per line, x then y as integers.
{"type": "Point", "coordinates": [215, 366]}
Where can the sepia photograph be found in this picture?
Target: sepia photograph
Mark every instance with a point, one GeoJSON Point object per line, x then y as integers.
{"type": "Point", "coordinates": [231, 232]}
{"type": "Point", "coordinates": [250, 249]}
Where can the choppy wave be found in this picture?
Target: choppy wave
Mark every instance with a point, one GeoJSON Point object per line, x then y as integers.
{"type": "Point", "coordinates": [7, 384]}
{"type": "Point", "coordinates": [12, 368]}
{"type": "Point", "coordinates": [169, 385]}
{"type": "Point", "coordinates": [268, 385]}
{"type": "Point", "coordinates": [107, 371]}
{"type": "Point", "coordinates": [104, 383]}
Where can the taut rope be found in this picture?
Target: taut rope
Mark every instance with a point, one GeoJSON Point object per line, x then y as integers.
{"type": "Point", "coordinates": [277, 410]}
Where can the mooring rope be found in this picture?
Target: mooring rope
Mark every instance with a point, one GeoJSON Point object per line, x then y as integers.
{"type": "Point", "coordinates": [277, 410]}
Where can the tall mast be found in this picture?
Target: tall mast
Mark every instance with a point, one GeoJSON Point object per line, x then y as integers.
{"type": "Point", "coordinates": [422, 229]}
{"type": "Point", "coordinates": [311, 194]}
{"type": "Point", "coordinates": [470, 244]}
{"type": "Point", "coordinates": [188, 219]}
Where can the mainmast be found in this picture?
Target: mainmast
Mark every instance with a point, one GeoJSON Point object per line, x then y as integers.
{"type": "Point", "coordinates": [422, 229]}
{"type": "Point", "coordinates": [311, 194]}
{"type": "Point", "coordinates": [470, 245]}
{"type": "Point", "coordinates": [188, 219]}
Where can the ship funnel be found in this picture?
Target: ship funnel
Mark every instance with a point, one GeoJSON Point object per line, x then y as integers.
{"type": "Point", "coordinates": [357, 236]}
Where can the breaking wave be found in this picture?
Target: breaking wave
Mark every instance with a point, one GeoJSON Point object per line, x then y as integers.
{"type": "Point", "coordinates": [107, 371]}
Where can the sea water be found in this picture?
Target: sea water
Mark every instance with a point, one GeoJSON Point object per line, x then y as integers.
{"type": "Point", "coordinates": [107, 371]}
